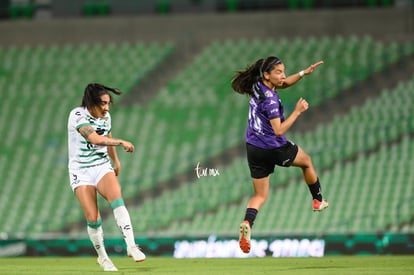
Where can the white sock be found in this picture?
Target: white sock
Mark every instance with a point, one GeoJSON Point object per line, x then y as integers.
{"type": "Point", "coordinates": [124, 223]}
{"type": "Point", "coordinates": [97, 239]}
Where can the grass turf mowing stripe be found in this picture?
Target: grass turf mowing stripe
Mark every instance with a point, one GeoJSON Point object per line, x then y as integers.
{"type": "Point", "coordinates": [164, 265]}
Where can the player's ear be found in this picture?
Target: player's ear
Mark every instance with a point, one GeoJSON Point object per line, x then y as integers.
{"type": "Point", "coordinates": [266, 76]}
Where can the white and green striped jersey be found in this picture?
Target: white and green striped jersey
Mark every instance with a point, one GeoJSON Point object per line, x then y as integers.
{"type": "Point", "coordinates": [83, 154]}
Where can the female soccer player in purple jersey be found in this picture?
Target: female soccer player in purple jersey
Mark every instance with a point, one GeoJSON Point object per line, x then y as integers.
{"type": "Point", "coordinates": [266, 142]}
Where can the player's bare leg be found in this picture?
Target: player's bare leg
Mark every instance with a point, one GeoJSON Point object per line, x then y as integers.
{"type": "Point", "coordinates": [304, 161]}
{"type": "Point", "coordinates": [110, 189]}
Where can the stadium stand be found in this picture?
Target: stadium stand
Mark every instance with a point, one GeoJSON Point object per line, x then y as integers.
{"type": "Point", "coordinates": [28, 9]}
{"type": "Point", "coordinates": [190, 118]}
{"type": "Point", "coordinates": [331, 147]}
{"type": "Point", "coordinates": [181, 105]}
{"type": "Point", "coordinates": [35, 77]}
{"type": "Point", "coordinates": [178, 106]}
{"type": "Point", "coordinates": [370, 194]}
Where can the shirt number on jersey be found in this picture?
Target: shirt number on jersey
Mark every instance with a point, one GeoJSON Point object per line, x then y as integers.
{"type": "Point", "coordinates": [255, 122]}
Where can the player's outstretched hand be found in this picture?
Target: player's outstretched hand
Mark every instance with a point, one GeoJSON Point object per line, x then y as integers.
{"type": "Point", "coordinates": [128, 146]}
{"type": "Point", "coordinates": [117, 167]}
{"type": "Point", "coordinates": [312, 67]}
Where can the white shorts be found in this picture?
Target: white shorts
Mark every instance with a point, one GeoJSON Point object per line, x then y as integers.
{"type": "Point", "coordinates": [89, 176]}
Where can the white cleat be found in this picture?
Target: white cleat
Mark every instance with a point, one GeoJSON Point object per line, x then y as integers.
{"type": "Point", "coordinates": [106, 264]}
{"type": "Point", "coordinates": [136, 253]}
{"type": "Point", "coordinates": [244, 238]}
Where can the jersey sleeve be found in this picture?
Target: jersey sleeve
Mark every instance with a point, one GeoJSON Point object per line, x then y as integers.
{"type": "Point", "coordinates": [78, 119]}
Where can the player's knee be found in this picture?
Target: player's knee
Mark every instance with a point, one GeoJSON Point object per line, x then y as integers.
{"type": "Point", "coordinates": [94, 224]}
{"type": "Point", "coordinates": [262, 198]}
{"type": "Point", "coordinates": [92, 217]}
{"type": "Point", "coordinates": [309, 160]}
{"type": "Point", "coordinates": [306, 161]}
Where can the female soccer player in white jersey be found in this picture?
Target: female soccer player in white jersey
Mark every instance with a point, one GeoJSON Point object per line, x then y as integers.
{"type": "Point", "coordinates": [266, 142]}
{"type": "Point", "coordinates": [91, 150]}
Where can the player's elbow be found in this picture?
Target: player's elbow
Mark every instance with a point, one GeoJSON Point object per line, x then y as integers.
{"type": "Point", "coordinates": [278, 132]}
{"type": "Point", "coordinates": [277, 127]}
{"type": "Point", "coordinates": [95, 139]}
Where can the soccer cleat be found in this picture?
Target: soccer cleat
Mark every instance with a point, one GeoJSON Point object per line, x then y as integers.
{"type": "Point", "coordinates": [136, 253]}
{"type": "Point", "coordinates": [106, 264]}
{"type": "Point", "coordinates": [319, 205]}
{"type": "Point", "coordinates": [244, 239]}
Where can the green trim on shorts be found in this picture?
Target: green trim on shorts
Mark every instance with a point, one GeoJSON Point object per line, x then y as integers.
{"type": "Point", "coordinates": [117, 203]}
{"type": "Point", "coordinates": [96, 224]}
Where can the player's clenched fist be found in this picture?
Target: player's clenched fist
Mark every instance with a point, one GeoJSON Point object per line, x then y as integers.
{"type": "Point", "coordinates": [302, 105]}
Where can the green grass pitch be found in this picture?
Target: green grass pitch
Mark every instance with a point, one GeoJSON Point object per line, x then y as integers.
{"type": "Point", "coordinates": [164, 265]}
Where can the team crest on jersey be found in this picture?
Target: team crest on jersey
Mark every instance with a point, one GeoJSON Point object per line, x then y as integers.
{"type": "Point", "coordinates": [268, 94]}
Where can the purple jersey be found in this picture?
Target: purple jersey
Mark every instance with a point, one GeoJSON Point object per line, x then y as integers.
{"type": "Point", "coordinates": [264, 106]}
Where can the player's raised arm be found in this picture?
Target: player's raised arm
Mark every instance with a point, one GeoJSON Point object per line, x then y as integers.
{"type": "Point", "coordinates": [292, 79]}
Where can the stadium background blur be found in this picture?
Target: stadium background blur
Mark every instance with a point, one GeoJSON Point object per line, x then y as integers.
{"type": "Point", "coordinates": [188, 179]}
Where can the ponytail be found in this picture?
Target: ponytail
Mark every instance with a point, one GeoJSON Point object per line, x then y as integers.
{"type": "Point", "coordinates": [243, 81]}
